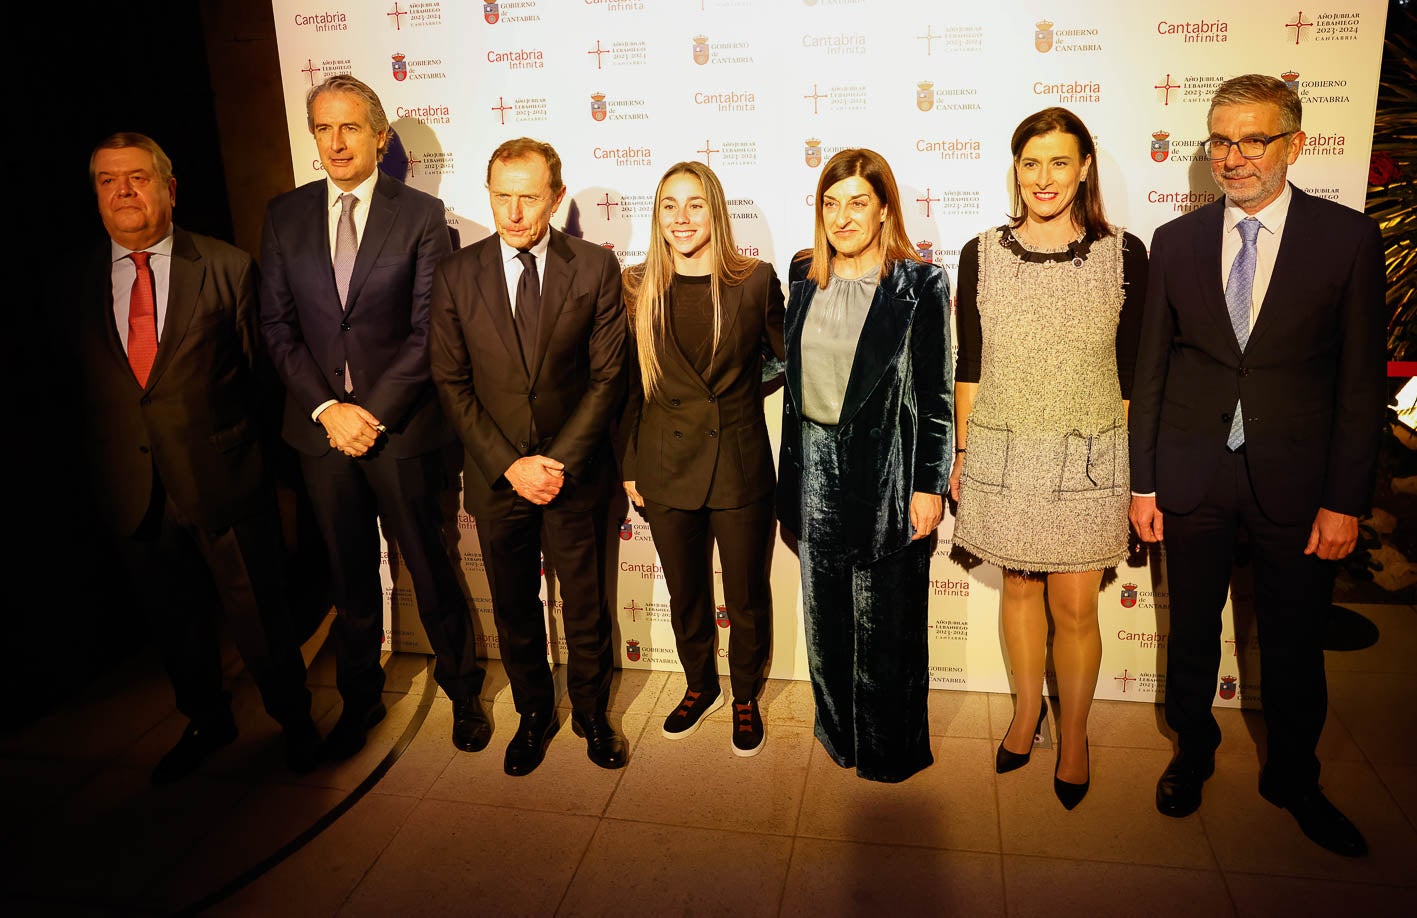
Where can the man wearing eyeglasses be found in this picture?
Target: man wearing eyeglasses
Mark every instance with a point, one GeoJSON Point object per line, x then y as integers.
{"type": "Point", "coordinates": [1257, 408]}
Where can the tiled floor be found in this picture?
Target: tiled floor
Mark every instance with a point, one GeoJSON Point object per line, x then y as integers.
{"type": "Point", "coordinates": [688, 828]}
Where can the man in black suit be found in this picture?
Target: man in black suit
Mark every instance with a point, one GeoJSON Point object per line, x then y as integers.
{"type": "Point", "coordinates": [168, 352]}
{"type": "Point", "coordinates": [1258, 406]}
{"type": "Point", "coordinates": [347, 265]}
{"type": "Point", "coordinates": [529, 358]}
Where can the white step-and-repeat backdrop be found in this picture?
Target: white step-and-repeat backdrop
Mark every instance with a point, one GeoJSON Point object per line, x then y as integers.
{"type": "Point", "coordinates": [764, 91]}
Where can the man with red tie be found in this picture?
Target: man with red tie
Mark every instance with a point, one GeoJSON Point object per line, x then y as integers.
{"type": "Point", "coordinates": [168, 350]}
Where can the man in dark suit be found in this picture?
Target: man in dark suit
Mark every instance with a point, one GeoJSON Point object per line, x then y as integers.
{"type": "Point", "coordinates": [529, 359]}
{"type": "Point", "coordinates": [347, 265]}
{"type": "Point", "coordinates": [165, 329]}
{"type": "Point", "coordinates": [1258, 406]}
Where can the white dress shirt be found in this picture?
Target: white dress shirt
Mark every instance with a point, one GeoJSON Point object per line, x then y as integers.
{"type": "Point", "coordinates": [1266, 245]}
{"type": "Point", "coordinates": [512, 268]}
{"type": "Point", "coordinates": [123, 271]}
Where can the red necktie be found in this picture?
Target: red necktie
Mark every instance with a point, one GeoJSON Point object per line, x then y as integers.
{"type": "Point", "coordinates": [142, 320]}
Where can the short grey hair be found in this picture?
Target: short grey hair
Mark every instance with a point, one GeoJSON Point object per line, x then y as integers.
{"type": "Point", "coordinates": [1252, 88]}
{"type": "Point", "coordinates": [344, 82]}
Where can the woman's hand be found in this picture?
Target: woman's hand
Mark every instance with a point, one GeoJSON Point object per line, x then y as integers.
{"type": "Point", "coordinates": [955, 475]}
{"type": "Point", "coordinates": [635, 497]}
{"type": "Point", "coordinates": [926, 511]}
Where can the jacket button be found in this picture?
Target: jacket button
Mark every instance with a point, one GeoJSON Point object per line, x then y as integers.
{"type": "Point", "coordinates": [145, 400]}
{"type": "Point", "coordinates": [712, 399]}
{"type": "Point", "coordinates": [339, 371]}
{"type": "Point", "coordinates": [344, 326]}
{"type": "Point", "coordinates": [678, 434]}
{"type": "Point", "coordinates": [1244, 371]}
{"type": "Point", "coordinates": [521, 445]}
{"type": "Point", "coordinates": [713, 433]}
{"type": "Point", "coordinates": [144, 450]}
{"type": "Point", "coordinates": [875, 433]}
{"type": "Point", "coordinates": [532, 396]}
{"type": "Point", "coordinates": [674, 402]}
{"type": "Point", "coordinates": [1225, 416]}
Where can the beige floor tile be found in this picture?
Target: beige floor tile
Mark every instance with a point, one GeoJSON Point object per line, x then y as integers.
{"type": "Point", "coordinates": [378, 742]}
{"type": "Point", "coordinates": [840, 878]}
{"type": "Point", "coordinates": [959, 714]}
{"type": "Point", "coordinates": [430, 753]}
{"type": "Point", "coordinates": [1117, 821]}
{"type": "Point", "coordinates": [1396, 647]}
{"type": "Point", "coordinates": [699, 781]}
{"type": "Point", "coordinates": [565, 782]}
{"type": "Point", "coordinates": [126, 832]}
{"type": "Point", "coordinates": [1242, 732]}
{"type": "Point", "coordinates": [1235, 816]}
{"type": "Point", "coordinates": [784, 703]}
{"type": "Point", "coordinates": [632, 691]}
{"type": "Point", "coordinates": [1050, 887]}
{"type": "Point", "coordinates": [318, 878]}
{"type": "Point", "coordinates": [1378, 710]}
{"type": "Point", "coordinates": [269, 817]}
{"type": "Point", "coordinates": [1401, 783]}
{"type": "Point", "coordinates": [1265, 896]}
{"type": "Point", "coordinates": [948, 805]}
{"type": "Point", "coordinates": [454, 858]}
{"type": "Point", "coordinates": [674, 870]}
{"type": "Point", "coordinates": [1130, 724]}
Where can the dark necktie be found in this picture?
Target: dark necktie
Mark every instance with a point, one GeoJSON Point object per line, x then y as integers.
{"type": "Point", "coordinates": [1239, 292]}
{"type": "Point", "coordinates": [528, 307]}
{"type": "Point", "coordinates": [142, 320]}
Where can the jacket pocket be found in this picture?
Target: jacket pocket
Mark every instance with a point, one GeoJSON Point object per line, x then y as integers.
{"type": "Point", "coordinates": [1092, 464]}
{"type": "Point", "coordinates": [228, 438]}
{"type": "Point", "coordinates": [986, 464]}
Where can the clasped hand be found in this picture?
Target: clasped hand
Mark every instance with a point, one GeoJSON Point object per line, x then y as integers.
{"type": "Point", "coordinates": [536, 478]}
{"type": "Point", "coordinates": [351, 429]}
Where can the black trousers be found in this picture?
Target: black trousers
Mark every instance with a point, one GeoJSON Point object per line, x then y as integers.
{"type": "Point", "coordinates": [684, 541]}
{"type": "Point", "coordinates": [574, 537]}
{"type": "Point", "coordinates": [350, 498]}
{"type": "Point", "coordinates": [183, 574]}
{"type": "Point", "coordinates": [1292, 595]}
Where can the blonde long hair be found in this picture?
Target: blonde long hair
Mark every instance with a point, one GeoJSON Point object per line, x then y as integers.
{"type": "Point", "coordinates": [647, 284]}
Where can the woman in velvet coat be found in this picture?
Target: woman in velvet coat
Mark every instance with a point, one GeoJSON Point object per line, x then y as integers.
{"type": "Point", "coordinates": [704, 322]}
{"type": "Point", "coordinates": [867, 441]}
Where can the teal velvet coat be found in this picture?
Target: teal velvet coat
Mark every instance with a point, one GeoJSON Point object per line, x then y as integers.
{"type": "Point", "coordinates": [897, 419]}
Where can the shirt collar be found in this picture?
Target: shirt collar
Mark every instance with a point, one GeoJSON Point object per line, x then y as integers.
{"type": "Point", "coordinates": [509, 253]}
{"type": "Point", "coordinates": [364, 191]}
{"type": "Point", "coordinates": [1271, 218]}
{"type": "Point", "coordinates": [162, 247]}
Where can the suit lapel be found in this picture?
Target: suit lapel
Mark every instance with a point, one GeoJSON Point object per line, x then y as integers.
{"type": "Point", "coordinates": [492, 288]}
{"type": "Point", "coordinates": [383, 211]}
{"type": "Point", "coordinates": [100, 300]}
{"type": "Point", "coordinates": [1211, 276]}
{"type": "Point", "coordinates": [184, 286]}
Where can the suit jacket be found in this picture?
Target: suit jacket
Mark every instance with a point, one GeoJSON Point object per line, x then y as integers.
{"type": "Point", "coordinates": [1311, 379]}
{"type": "Point", "coordinates": [196, 422]}
{"type": "Point", "coordinates": [572, 393]}
{"type": "Point", "coordinates": [896, 429]}
{"type": "Point", "coordinates": [382, 331]}
{"type": "Point", "coordinates": [697, 433]}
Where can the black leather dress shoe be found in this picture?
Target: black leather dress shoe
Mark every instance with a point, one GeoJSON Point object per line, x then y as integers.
{"type": "Point", "coordinates": [347, 737]}
{"type": "Point", "coordinates": [604, 746]}
{"type": "Point", "coordinates": [1323, 823]}
{"type": "Point", "coordinates": [471, 729]}
{"type": "Point", "coordinates": [302, 746]}
{"type": "Point", "coordinates": [528, 745]}
{"type": "Point", "coordinates": [1178, 793]}
{"type": "Point", "coordinates": [197, 744]}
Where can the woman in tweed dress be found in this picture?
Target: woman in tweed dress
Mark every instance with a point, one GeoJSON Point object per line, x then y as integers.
{"type": "Point", "coordinates": [1049, 310]}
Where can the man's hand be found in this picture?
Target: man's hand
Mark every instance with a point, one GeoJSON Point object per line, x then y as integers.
{"type": "Point", "coordinates": [536, 478]}
{"type": "Point", "coordinates": [1333, 536]}
{"type": "Point", "coordinates": [1146, 519]}
{"type": "Point", "coordinates": [635, 497]}
{"type": "Point", "coordinates": [926, 511]}
{"type": "Point", "coordinates": [351, 430]}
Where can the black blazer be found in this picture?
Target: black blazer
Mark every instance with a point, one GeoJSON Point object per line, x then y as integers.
{"type": "Point", "coordinates": [570, 397]}
{"type": "Point", "coordinates": [897, 419]}
{"type": "Point", "coordinates": [382, 333]}
{"type": "Point", "coordinates": [1311, 379]}
{"type": "Point", "coordinates": [197, 420]}
{"type": "Point", "coordinates": [697, 433]}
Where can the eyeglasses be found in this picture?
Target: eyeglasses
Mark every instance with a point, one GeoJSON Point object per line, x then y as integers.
{"type": "Point", "coordinates": [1218, 148]}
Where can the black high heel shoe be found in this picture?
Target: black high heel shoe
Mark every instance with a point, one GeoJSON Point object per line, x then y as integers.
{"type": "Point", "coordinates": [1070, 795]}
{"type": "Point", "coordinates": [1004, 760]}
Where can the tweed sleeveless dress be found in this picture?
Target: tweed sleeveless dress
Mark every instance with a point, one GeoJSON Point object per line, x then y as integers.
{"type": "Point", "coordinates": [1044, 486]}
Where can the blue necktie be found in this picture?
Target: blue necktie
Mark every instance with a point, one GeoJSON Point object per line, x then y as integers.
{"type": "Point", "coordinates": [1239, 291]}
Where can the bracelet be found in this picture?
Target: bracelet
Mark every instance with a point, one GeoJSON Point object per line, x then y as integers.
{"type": "Point", "coordinates": [959, 450]}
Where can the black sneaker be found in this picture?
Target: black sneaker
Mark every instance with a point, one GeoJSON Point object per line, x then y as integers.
{"type": "Point", "coordinates": [747, 728]}
{"type": "Point", "coordinates": [691, 713]}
